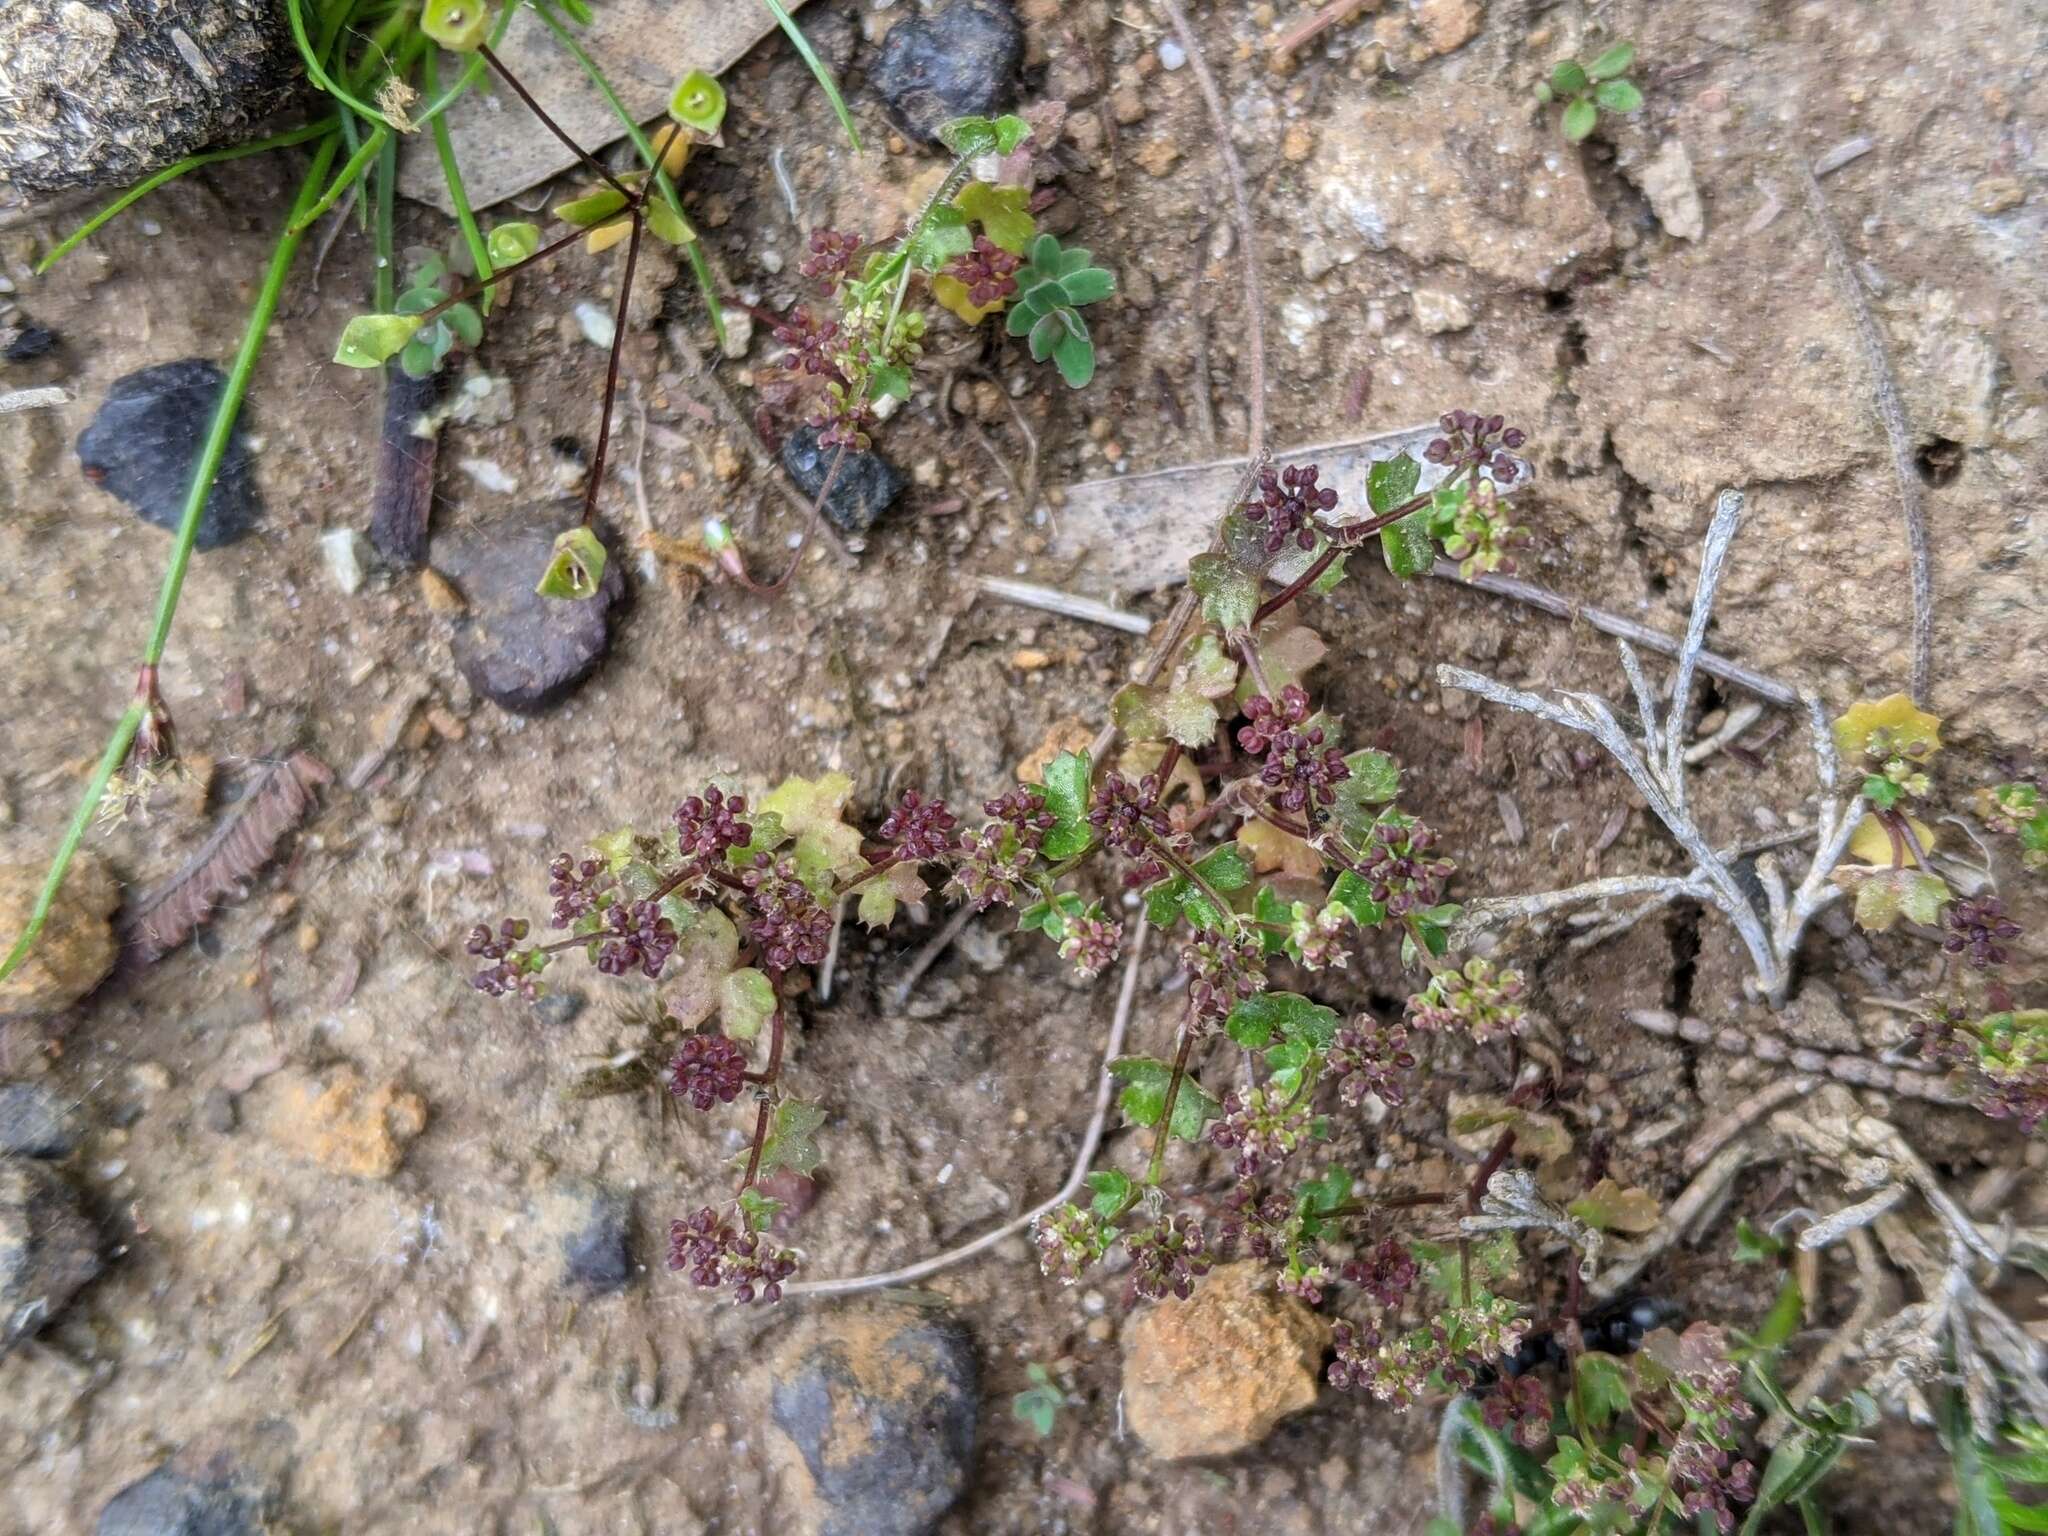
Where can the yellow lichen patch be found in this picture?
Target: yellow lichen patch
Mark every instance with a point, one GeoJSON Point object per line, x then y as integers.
{"type": "Point", "coordinates": [1871, 844]}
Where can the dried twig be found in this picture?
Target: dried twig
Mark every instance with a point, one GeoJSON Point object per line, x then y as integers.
{"type": "Point", "coordinates": [1335, 14]}
{"type": "Point", "coordinates": [1843, 1066]}
{"type": "Point", "coordinates": [1678, 1217]}
{"type": "Point", "coordinates": [169, 913]}
{"type": "Point", "coordinates": [1091, 1138]}
{"type": "Point", "coordinates": [1885, 385]}
{"type": "Point", "coordinates": [1065, 604]}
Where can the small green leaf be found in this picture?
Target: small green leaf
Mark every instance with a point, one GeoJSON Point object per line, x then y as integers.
{"type": "Point", "coordinates": [746, 1001]}
{"type": "Point", "coordinates": [699, 103]}
{"type": "Point", "coordinates": [1112, 1192]}
{"type": "Point", "coordinates": [1254, 1022]}
{"type": "Point", "coordinates": [1752, 1246]}
{"type": "Point", "coordinates": [1144, 1096]}
{"type": "Point", "coordinates": [1039, 1404]}
{"type": "Point", "coordinates": [1409, 549]}
{"type": "Point", "coordinates": [890, 379]}
{"type": "Point", "coordinates": [576, 567]}
{"type": "Point", "coordinates": [792, 1138]}
{"type": "Point", "coordinates": [418, 359]}
{"type": "Point", "coordinates": [464, 322]}
{"type": "Point", "coordinates": [1376, 775]}
{"type": "Point", "coordinates": [1355, 897]}
{"type": "Point", "coordinates": [1615, 61]}
{"type": "Point", "coordinates": [969, 137]}
{"type": "Point", "coordinates": [1603, 1388]}
{"type": "Point", "coordinates": [1010, 130]}
{"type": "Point", "coordinates": [589, 211]}
{"type": "Point", "coordinates": [1225, 868]}
{"type": "Point", "coordinates": [1004, 214]}
{"type": "Point", "coordinates": [758, 1209]}
{"type": "Point", "coordinates": [1284, 1065]}
{"type": "Point", "coordinates": [665, 224]}
{"type": "Point", "coordinates": [1618, 96]}
{"type": "Point", "coordinates": [369, 341]}
{"type": "Point", "coordinates": [1087, 286]}
{"type": "Point", "coordinates": [1074, 354]}
{"type": "Point", "coordinates": [508, 244]}
{"type": "Point", "coordinates": [1229, 593]}
{"type": "Point", "coordinates": [1274, 916]}
{"type": "Point", "coordinates": [1580, 118]}
{"type": "Point", "coordinates": [1069, 786]}
{"type": "Point", "coordinates": [1568, 77]}
{"type": "Point", "coordinates": [1391, 482]}
{"type": "Point", "coordinates": [1611, 1208]}
{"type": "Point", "coordinates": [1046, 335]}
{"type": "Point", "coordinates": [457, 25]}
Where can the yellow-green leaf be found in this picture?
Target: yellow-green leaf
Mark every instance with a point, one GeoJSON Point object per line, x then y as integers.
{"type": "Point", "coordinates": [1004, 213]}
{"type": "Point", "coordinates": [1612, 1208]}
{"type": "Point", "coordinates": [746, 1001]}
{"type": "Point", "coordinates": [1889, 727]}
{"type": "Point", "coordinates": [1871, 844]}
{"type": "Point", "coordinates": [576, 568]}
{"type": "Point", "coordinates": [457, 25]}
{"type": "Point", "coordinates": [591, 209]}
{"type": "Point", "coordinates": [370, 341]}
{"type": "Point", "coordinates": [699, 103]}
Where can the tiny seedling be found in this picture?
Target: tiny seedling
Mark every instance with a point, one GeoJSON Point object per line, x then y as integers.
{"type": "Point", "coordinates": [1587, 90]}
{"type": "Point", "coordinates": [1040, 1403]}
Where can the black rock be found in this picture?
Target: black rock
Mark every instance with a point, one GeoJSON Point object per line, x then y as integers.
{"type": "Point", "coordinates": [48, 1248]}
{"type": "Point", "coordinates": [104, 92]}
{"type": "Point", "coordinates": [26, 343]}
{"type": "Point", "coordinates": [560, 1009]}
{"type": "Point", "coordinates": [518, 649]}
{"type": "Point", "coordinates": [146, 437]}
{"type": "Point", "coordinates": [34, 1122]}
{"type": "Point", "coordinates": [170, 1502]}
{"type": "Point", "coordinates": [960, 61]}
{"type": "Point", "coordinates": [880, 1402]}
{"type": "Point", "coordinates": [867, 482]}
{"type": "Point", "coordinates": [596, 1247]}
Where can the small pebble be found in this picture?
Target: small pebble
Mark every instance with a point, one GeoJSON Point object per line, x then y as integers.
{"type": "Point", "coordinates": [596, 325]}
{"type": "Point", "coordinates": [346, 553]}
{"type": "Point", "coordinates": [1172, 55]}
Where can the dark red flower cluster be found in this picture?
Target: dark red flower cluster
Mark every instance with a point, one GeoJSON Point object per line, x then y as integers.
{"type": "Point", "coordinates": [1469, 439]}
{"type": "Point", "coordinates": [1295, 764]}
{"type": "Point", "coordinates": [1399, 869]}
{"type": "Point", "coordinates": [1286, 505]}
{"type": "Point", "coordinates": [1128, 815]}
{"type": "Point", "coordinates": [708, 825]}
{"type": "Point", "coordinates": [1355, 1345]}
{"type": "Point", "coordinates": [790, 928]}
{"type": "Point", "coordinates": [832, 253]}
{"type": "Point", "coordinates": [508, 975]}
{"type": "Point", "coordinates": [810, 343]}
{"type": "Point", "coordinates": [1167, 1258]}
{"type": "Point", "coordinates": [1223, 971]}
{"type": "Point", "coordinates": [719, 1252]}
{"type": "Point", "coordinates": [1979, 929]}
{"type": "Point", "coordinates": [708, 1070]}
{"type": "Point", "coordinates": [635, 935]}
{"type": "Point", "coordinates": [922, 829]}
{"type": "Point", "coordinates": [1371, 1057]}
{"type": "Point", "coordinates": [1523, 1402]}
{"type": "Point", "coordinates": [577, 888]}
{"type": "Point", "coordinates": [987, 271]}
{"type": "Point", "coordinates": [1387, 1274]}
{"type": "Point", "coordinates": [1090, 944]}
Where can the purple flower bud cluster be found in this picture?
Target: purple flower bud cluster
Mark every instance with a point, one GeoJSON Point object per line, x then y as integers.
{"type": "Point", "coordinates": [987, 272]}
{"type": "Point", "coordinates": [1286, 506]}
{"type": "Point", "coordinates": [994, 861]}
{"type": "Point", "coordinates": [1069, 1239]}
{"type": "Point", "coordinates": [1167, 1258]}
{"type": "Point", "coordinates": [1398, 868]}
{"type": "Point", "coordinates": [635, 936]}
{"type": "Point", "coordinates": [1387, 1274]}
{"type": "Point", "coordinates": [708, 1070]}
{"type": "Point", "coordinates": [1371, 1057]}
{"type": "Point", "coordinates": [718, 1251]}
{"type": "Point", "coordinates": [1468, 440]}
{"type": "Point", "coordinates": [1128, 815]}
{"type": "Point", "coordinates": [1223, 970]}
{"type": "Point", "coordinates": [921, 829]}
{"type": "Point", "coordinates": [1978, 929]}
{"type": "Point", "coordinates": [511, 973]}
{"type": "Point", "coordinates": [1475, 1000]}
{"type": "Point", "coordinates": [1260, 1129]}
{"type": "Point", "coordinates": [578, 888]}
{"type": "Point", "coordinates": [812, 344]}
{"type": "Point", "coordinates": [708, 826]}
{"type": "Point", "coordinates": [1296, 764]}
{"type": "Point", "coordinates": [1524, 1403]}
{"type": "Point", "coordinates": [789, 927]}
{"type": "Point", "coordinates": [831, 257]}
{"type": "Point", "coordinates": [1090, 944]}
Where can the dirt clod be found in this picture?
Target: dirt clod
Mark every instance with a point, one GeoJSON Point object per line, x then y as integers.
{"type": "Point", "coordinates": [77, 946]}
{"type": "Point", "coordinates": [1212, 1375]}
{"type": "Point", "coordinates": [48, 1248]}
{"type": "Point", "coordinates": [340, 1124]}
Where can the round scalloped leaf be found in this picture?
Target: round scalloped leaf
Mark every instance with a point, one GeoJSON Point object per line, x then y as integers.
{"type": "Point", "coordinates": [457, 25]}
{"type": "Point", "coordinates": [699, 103]}
{"type": "Point", "coordinates": [509, 244]}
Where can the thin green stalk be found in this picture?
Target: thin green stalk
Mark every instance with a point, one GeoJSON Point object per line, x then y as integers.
{"type": "Point", "coordinates": [385, 225]}
{"type": "Point", "coordinates": [135, 194]}
{"type": "Point", "coordinates": [210, 456]}
{"type": "Point", "coordinates": [295, 11]}
{"type": "Point", "coordinates": [826, 83]}
{"type": "Point", "coordinates": [451, 172]}
{"type": "Point", "coordinates": [344, 178]}
{"type": "Point", "coordinates": [700, 267]}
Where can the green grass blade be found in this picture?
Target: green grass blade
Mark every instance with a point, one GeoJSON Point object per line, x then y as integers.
{"type": "Point", "coordinates": [826, 83]}
{"type": "Point", "coordinates": [203, 473]}
{"type": "Point", "coordinates": [142, 189]}
{"type": "Point", "coordinates": [385, 227]}
{"type": "Point", "coordinates": [295, 11]}
{"type": "Point", "coordinates": [451, 172]}
{"type": "Point", "coordinates": [344, 179]}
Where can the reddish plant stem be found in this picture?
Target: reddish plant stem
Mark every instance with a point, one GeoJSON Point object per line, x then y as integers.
{"type": "Point", "coordinates": [611, 374]}
{"type": "Point", "coordinates": [1250, 652]}
{"type": "Point", "coordinates": [1354, 535]}
{"type": "Point", "coordinates": [769, 1074]}
{"type": "Point", "coordinates": [471, 287]}
{"type": "Point", "coordinates": [1157, 1168]}
{"type": "Point", "coordinates": [549, 123]}
{"type": "Point", "coordinates": [1502, 1146]}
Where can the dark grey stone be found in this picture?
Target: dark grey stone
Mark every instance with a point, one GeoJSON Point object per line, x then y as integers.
{"type": "Point", "coordinates": [218, 1111]}
{"type": "Point", "coordinates": [104, 92]}
{"type": "Point", "coordinates": [34, 1122]}
{"type": "Point", "coordinates": [866, 485]}
{"type": "Point", "coordinates": [881, 1403]}
{"type": "Point", "coordinates": [25, 343]}
{"type": "Point", "coordinates": [48, 1248]}
{"type": "Point", "coordinates": [560, 1009]}
{"type": "Point", "coordinates": [169, 1502]}
{"type": "Point", "coordinates": [146, 437]}
{"type": "Point", "coordinates": [597, 1247]}
{"type": "Point", "coordinates": [518, 649]}
{"type": "Point", "coordinates": [960, 61]}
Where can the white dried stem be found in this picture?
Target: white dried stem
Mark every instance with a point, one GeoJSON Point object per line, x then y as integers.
{"type": "Point", "coordinates": [1852, 1218]}
{"type": "Point", "coordinates": [1727, 521]}
{"type": "Point", "coordinates": [1512, 1204]}
{"type": "Point", "coordinates": [1493, 911]}
{"type": "Point", "coordinates": [1705, 1188]}
{"type": "Point", "coordinates": [1740, 719]}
